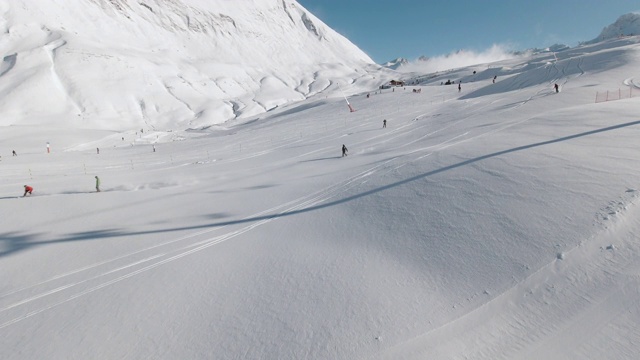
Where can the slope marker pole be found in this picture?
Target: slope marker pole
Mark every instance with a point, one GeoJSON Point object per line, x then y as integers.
{"type": "Point", "coordinates": [351, 109]}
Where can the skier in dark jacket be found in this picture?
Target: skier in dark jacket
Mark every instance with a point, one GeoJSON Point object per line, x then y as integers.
{"type": "Point", "coordinates": [344, 150]}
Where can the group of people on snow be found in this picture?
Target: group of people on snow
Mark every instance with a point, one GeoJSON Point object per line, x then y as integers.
{"type": "Point", "coordinates": [28, 190]}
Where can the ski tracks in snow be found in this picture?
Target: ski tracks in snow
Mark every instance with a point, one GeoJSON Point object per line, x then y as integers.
{"type": "Point", "coordinates": [28, 301]}
{"type": "Point", "coordinates": [23, 303]}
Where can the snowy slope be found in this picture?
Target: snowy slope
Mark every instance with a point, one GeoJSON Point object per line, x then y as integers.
{"type": "Point", "coordinates": [498, 222]}
{"type": "Point", "coordinates": [124, 64]}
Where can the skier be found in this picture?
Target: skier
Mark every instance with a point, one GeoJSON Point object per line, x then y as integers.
{"type": "Point", "coordinates": [555, 86]}
{"type": "Point", "coordinates": [14, 153]}
{"type": "Point", "coordinates": [459, 86]}
{"type": "Point", "coordinates": [97, 184]}
{"type": "Point", "coordinates": [344, 150]}
{"type": "Point", "coordinates": [98, 151]}
{"type": "Point", "coordinates": [494, 79]}
{"type": "Point", "coordinates": [27, 190]}
{"type": "Point", "coordinates": [384, 123]}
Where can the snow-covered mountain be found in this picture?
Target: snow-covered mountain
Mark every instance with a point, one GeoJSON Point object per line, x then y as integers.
{"type": "Point", "coordinates": [396, 63]}
{"type": "Point", "coordinates": [626, 25]}
{"type": "Point", "coordinates": [122, 64]}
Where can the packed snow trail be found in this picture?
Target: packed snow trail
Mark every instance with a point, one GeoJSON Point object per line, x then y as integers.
{"type": "Point", "coordinates": [168, 255]}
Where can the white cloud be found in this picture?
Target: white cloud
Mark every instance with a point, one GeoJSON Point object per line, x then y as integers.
{"type": "Point", "coordinates": [458, 59]}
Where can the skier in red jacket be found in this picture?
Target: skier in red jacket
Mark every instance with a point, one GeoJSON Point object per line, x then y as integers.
{"type": "Point", "coordinates": [27, 190]}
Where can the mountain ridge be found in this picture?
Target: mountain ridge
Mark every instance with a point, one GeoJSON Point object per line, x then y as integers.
{"type": "Point", "coordinates": [190, 63]}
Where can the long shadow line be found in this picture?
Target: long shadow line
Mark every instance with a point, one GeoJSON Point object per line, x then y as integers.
{"type": "Point", "coordinates": [424, 175]}
{"type": "Point", "coordinates": [450, 167]}
{"type": "Point", "coordinates": [18, 245]}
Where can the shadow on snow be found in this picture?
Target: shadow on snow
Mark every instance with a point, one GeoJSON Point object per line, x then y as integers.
{"type": "Point", "coordinates": [13, 242]}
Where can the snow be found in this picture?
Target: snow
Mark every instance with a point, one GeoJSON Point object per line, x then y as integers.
{"type": "Point", "coordinates": [168, 65]}
{"type": "Point", "coordinates": [625, 25]}
{"type": "Point", "coordinates": [498, 222]}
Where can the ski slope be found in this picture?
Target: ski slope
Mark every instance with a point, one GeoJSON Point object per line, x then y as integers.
{"type": "Point", "coordinates": [497, 222]}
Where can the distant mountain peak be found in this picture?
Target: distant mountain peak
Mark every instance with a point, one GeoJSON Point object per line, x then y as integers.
{"type": "Point", "coordinates": [626, 25]}
{"type": "Point", "coordinates": [395, 64]}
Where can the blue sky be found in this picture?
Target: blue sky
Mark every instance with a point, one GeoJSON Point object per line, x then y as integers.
{"type": "Point", "coordinates": [387, 29]}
